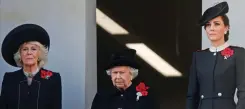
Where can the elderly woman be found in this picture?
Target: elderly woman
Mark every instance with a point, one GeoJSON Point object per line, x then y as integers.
{"type": "Point", "coordinates": [122, 70]}
{"type": "Point", "coordinates": [216, 72]}
{"type": "Point", "coordinates": [31, 87]}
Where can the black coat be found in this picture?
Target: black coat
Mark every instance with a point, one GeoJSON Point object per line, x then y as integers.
{"type": "Point", "coordinates": [115, 99]}
{"type": "Point", "coordinates": [213, 80]}
{"type": "Point", "coordinates": [41, 94]}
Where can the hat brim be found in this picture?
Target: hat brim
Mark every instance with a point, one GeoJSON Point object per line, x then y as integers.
{"type": "Point", "coordinates": [19, 35]}
{"type": "Point", "coordinates": [122, 62]}
{"type": "Point", "coordinates": [213, 12]}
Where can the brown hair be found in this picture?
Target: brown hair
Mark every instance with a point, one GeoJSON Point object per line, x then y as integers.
{"type": "Point", "coordinates": [226, 23]}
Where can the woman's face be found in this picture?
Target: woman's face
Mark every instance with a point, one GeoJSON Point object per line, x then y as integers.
{"type": "Point", "coordinates": [216, 29]}
{"type": "Point", "coordinates": [121, 76]}
{"type": "Point", "coordinates": [29, 53]}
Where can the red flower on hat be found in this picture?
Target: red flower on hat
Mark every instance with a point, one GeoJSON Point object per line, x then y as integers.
{"type": "Point", "coordinates": [141, 90]}
{"type": "Point", "coordinates": [227, 52]}
{"type": "Point", "coordinates": [46, 74]}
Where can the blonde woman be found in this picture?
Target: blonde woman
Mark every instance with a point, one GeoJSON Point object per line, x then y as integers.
{"type": "Point", "coordinates": [31, 87]}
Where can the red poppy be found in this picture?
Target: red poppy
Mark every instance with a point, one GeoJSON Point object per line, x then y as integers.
{"type": "Point", "coordinates": [142, 88]}
{"type": "Point", "coordinates": [227, 52]}
{"type": "Point", "coordinates": [46, 74]}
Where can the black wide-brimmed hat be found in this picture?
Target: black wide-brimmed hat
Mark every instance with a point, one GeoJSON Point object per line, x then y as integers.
{"type": "Point", "coordinates": [19, 35]}
{"type": "Point", "coordinates": [125, 57]}
{"type": "Point", "coordinates": [219, 9]}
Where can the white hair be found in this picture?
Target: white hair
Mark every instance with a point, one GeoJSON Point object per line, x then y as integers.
{"type": "Point", "coordinates": [133, 71]}
{"type": "Point", "coordinates": [42, 59]}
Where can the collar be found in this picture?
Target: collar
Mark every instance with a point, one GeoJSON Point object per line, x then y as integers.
{"type": "Point", "coordinates": [118, 91]}
{"type": "Point", "coordinates": [219, 48]}
{"type": "Point", "coordinates": [124, 90]}
{"type": "Point", "coordinates": [33, 73]}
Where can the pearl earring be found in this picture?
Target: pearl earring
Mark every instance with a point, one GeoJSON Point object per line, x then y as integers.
{"type": "Point", "coordinates": [225, 32]}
